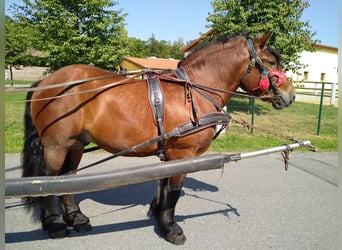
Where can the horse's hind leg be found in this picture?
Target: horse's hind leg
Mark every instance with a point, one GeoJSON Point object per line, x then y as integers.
{"type": "Point", "coordinates": [72, 214]}
{"type": "Point", "coordinates": [50, 209]}
{"type": "Point", "coordinates": [51, 221]}
{"type": "Point", "coordinates": [163, 208]}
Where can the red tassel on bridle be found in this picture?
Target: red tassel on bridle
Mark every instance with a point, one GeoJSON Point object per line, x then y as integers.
{"type": "Point", "coordinates": [264, 82]}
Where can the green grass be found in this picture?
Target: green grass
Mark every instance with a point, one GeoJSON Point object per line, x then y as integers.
{"type": "Point", "coordinates": [14, 129]}
{"type": "Point", "coordinates": [299, 121]}
{"type": "Point", "coordinates": [14, 113]}
{"type": "Point", "coordinates": [18, 82]}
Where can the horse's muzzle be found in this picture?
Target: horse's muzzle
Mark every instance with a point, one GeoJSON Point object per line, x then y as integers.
{"type": "Point", "coordinates": [284, 101]}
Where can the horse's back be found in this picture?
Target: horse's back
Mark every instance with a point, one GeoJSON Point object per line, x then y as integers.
{"type": "Point", "coordinates": [59, 111]}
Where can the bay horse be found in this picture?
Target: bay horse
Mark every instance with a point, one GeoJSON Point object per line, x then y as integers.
{"type": "Point", "coordinates": [60, 119]}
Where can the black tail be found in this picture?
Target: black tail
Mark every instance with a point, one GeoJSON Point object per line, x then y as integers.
{"type": "Point", "coordinates": [32, 154]}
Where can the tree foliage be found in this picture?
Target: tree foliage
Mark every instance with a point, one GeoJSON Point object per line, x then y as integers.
{"type": "Point", "coordinates": [19, 42]}
{"type": "Point", "coordinates": [136, 47]}
{"type": "Point", "coordinates": [154, 47]}
{"type": "Point", "coordinates": [291, 34]}
{"type": "Point", "coordinates": [75, 31]}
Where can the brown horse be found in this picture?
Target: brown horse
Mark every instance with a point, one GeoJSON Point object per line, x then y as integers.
{"type": "Point", "coordinates": [114, 112]}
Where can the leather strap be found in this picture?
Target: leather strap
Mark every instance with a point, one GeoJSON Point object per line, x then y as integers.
{"type": "Point", "coordinates": [181, 74]}
{"type": "Point", "coordinates": [156, 99]}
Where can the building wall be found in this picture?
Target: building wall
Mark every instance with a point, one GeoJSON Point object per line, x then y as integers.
{"type": "Point", "coordinates": [130, 66]}
{"type": "Point", "coordinates": [321, 66]}
{"type": "Point", "coordinates": [27, 73]}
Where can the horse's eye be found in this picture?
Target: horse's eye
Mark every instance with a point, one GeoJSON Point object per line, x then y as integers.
{"type": "Point", "coordinates": [272, 63]}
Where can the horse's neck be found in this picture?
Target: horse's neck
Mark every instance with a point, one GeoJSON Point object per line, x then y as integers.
{"type": "Point", "coordinates": [219, 66]}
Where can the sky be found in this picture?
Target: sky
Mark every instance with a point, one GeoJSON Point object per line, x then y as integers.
{"type": "Point", "coordinates": [186, 19]}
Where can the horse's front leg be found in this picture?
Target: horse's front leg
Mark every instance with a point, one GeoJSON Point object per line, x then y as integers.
{"type": "Point", "coordinates": [73, 216]}
{"type": "Point", "coordinates": [163, 208]}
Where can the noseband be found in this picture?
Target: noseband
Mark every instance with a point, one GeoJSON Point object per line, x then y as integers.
{"type": "Point", "coordinates": [267, 77]}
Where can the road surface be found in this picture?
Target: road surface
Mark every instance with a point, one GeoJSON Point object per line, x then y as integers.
{"type": "Point", "coordinates": [253, 204]}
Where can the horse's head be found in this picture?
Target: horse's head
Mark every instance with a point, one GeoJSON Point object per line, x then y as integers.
{"type": "Point", "coordinates": [264, 76]}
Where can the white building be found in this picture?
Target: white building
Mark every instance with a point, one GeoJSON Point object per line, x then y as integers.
{"type": "Point", "coordinates": [320, 66]}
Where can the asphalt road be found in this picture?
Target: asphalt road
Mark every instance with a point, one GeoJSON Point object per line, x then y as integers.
{"type": "Point", "coordinates": [253, 204]}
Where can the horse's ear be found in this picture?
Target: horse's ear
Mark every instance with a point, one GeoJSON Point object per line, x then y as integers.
{"type": "Point", "coordinates": [260, 41]}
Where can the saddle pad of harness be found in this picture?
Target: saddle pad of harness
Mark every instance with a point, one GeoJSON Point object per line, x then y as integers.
{"type": "Point", "coordinates": [156, 98]}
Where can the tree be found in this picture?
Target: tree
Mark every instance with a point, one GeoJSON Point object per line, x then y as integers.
{"type": "Point", "coordinates": [176, 51]}
{"type": "Point", "coordinates": [164, 49]}
{"type": "Point", "coordinates": [136, 47]}
{"type": "Point", "coordinates": [156, 48]}
{"type": "Point", "coordinates": [19, 44]}
{"type": "Point", "coordinates": [153, 47]}
{"type": "Point", "coordinates": [75, 31]}
{"type": "Point", "coordinates": [291, 35]}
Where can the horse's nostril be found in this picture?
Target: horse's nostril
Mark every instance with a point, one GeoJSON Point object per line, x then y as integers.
{"type": "Point", "coordinates": [293, 98]}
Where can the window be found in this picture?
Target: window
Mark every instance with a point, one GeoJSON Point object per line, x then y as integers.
{"type": "Point", "coordinates": [323, 77]}
{"type": "Point", "coordinates": [306, 76]}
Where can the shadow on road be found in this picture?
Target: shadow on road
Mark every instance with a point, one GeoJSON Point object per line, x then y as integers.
{"type": "Point", "coordinates": [139, 193]}
{"type": "Point", "coordinates": [130, 196]}
{"type": "Point", "coordinates": [36, 235]}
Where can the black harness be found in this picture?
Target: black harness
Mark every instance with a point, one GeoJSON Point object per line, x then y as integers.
{"type": "Point", "coordinates": [156, 100]}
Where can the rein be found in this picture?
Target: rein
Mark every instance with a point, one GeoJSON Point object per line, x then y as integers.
{"type": "Point", "coordinates": [65, 84]}
{"type": "Point", "coordinates": [72, 83]}
{"type": "Point", "coordinates": [236, 93]}
{"type": "Point", "coordinates": [180, 72]}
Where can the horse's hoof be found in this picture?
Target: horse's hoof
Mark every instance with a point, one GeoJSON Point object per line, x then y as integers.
{"type": "Point", "coordinates": [175, 235]}
{"type": "Point", "coordinates": [55, 227]}
{"type": "Point", "coordinates": [177, 240]}
{"type": "Point", "coordinates": [78, 221]}
{"type": "Point", "coordinates": [82, 228]}
{"type": "Point", "coordinates": [57, 230]}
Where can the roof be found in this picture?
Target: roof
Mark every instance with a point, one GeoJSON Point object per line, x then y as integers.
{"type": "Point", "coordinates": [321, 46]}
{"type": "Point", "coordinates": [153, 62]}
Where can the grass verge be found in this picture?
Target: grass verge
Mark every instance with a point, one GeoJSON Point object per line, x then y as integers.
{"type": "Point", "coordinates": [298, 121]}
